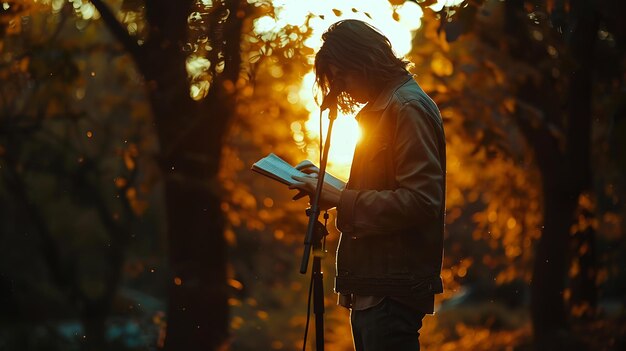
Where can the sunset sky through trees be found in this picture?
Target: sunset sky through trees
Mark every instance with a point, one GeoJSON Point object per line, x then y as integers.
{"type": "Point", "coordinates": [130, 219]}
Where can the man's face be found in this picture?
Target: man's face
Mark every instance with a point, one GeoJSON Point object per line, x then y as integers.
{"type": "Point", "coordinates": [354, 84]}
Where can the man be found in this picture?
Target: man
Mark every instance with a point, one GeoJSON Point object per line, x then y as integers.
{"type": "Point", "coordinates": [391, 211]}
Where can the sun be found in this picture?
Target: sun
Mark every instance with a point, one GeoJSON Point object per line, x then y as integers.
{"type": "Point", "coordinates": [345, 134]}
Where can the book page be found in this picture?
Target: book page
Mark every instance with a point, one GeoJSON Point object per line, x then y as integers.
{"type": "Point", "coordinates": [277, 168]}
{"type": "Point", "coordinates": [328, 178]}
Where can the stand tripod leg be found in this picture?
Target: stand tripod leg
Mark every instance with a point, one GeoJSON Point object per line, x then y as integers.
{"type": "Point", "coordinates": [318, 302]}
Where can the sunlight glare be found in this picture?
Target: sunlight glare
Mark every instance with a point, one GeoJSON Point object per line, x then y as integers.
{"type": "Point", "coordinates": [440, 4]}
{"type": "Point", "coordinates": [345, 135]}
{"type": "Point", "coordinates": [197, 65]}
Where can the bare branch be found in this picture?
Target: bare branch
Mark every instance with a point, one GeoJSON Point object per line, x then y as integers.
{"type": "Point", "coordinates": [119, 32]}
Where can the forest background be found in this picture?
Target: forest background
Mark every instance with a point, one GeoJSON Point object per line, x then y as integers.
{"type": "Point", "coordinates": [130, 219]}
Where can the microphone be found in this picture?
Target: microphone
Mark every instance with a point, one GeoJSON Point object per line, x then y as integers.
{"type": "Point", "coordinates": [331, 98]}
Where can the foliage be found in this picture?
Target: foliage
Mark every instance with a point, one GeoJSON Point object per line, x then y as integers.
{"type": "Point", "coordinates": [82, 184]}
{"type": "Point", "coordinates": [75, 187]}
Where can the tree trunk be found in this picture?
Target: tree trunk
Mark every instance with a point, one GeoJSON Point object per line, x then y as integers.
{"type": "Point", "coordinates": [582, 45]}
{"type": "Point", "coordinates": [190, 135]}
{"type": "Point", "coordinates": [93, 317]}
{"type": "Point", "coordinates": [564, 179]}
{"type": "Point", "coordinates": [550, 267]}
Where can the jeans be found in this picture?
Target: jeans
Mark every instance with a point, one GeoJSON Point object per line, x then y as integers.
{"type": "Point", "coordinates": [390, 325]}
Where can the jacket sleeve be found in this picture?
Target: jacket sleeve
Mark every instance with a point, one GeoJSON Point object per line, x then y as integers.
{"type": "Point", "coordinates": [419, 177]}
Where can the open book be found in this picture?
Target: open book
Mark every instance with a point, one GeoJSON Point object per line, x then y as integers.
{"type": "Point", "coordinates": [278, 169]}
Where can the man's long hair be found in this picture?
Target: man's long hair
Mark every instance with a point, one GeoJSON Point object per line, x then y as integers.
{"type": "Point", "coordinates": [353, 45]}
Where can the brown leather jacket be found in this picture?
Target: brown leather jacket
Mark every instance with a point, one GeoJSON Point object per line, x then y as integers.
{"type": "Point", "coordinates": [391, 213]}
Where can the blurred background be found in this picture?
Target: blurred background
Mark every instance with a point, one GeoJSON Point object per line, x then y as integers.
{"type": "Point", "coordinates": [130, 219]}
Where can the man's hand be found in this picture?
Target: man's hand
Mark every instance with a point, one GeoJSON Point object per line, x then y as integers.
{"type": "Point", "coordinates": [308, 168]}
{"type": "Point", "coordinates": [330, 195]}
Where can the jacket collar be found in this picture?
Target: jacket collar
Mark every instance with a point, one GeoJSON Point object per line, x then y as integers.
{"type": "Point", "coordinates": [383, 98]}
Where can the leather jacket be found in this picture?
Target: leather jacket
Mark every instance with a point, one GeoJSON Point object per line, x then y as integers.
{"type": "Point", "coordinates": [392, 210]}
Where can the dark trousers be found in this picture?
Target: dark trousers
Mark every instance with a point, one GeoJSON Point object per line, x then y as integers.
{"type": "Point", "coordinates": [390, 325]}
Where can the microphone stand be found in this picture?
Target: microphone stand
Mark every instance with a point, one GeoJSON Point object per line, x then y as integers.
{"type": "Point", "coordinates": [313, 241]}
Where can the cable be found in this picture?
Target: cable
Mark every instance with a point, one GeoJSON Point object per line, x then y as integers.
{"type": "Point", "coordinates": [326, 230]}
